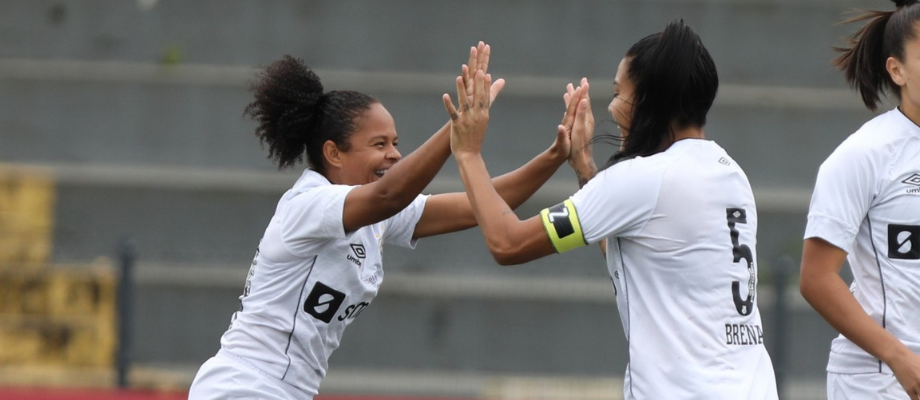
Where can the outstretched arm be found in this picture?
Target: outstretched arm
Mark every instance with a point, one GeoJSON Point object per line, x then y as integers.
{"type": "Point", "coordinates": [822, 287]}
{"type": "Point", "coordinates": [581, 158]}
{"type": "Point", "coordinates": [379, 200]}
{"type": "Point", "coordinates": [452, 212]}
{"type": "Point", "coordinates": [510, 240]}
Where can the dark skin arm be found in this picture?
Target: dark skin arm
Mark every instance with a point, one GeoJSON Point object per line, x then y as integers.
{"type": "Point", "coordinates": [452, 212]}
{"type": "Point", "coordinates": [379, 200]}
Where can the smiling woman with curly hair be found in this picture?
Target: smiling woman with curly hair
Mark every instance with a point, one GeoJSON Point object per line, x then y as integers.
{"type": "Point", "coordinates": [319, 263]}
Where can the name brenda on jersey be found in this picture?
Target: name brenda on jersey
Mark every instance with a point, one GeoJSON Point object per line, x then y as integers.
{"type": "Point", "coordinates": [743, 335]}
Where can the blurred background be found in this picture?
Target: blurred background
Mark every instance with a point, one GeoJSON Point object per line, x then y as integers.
{"type": "Point", "coordinates": [123, 144]}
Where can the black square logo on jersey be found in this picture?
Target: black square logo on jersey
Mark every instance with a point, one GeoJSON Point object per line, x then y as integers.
{"type": "Point", "coordinates": [323, 302]}
{"type": "Point", "coordinates": [358, 249]}
{"type": "Point", "coordinates": [903, 242]}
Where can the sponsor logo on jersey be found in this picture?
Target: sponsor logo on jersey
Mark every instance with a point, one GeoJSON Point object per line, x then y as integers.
{"type": "Point", "coordinates": [904, 242]}
{"type": "Point", "coordinates": [358, 249]}
{"type": "Point", "coordinates": [359, 254]}
{"type": "Point", "coordinates": [913, 180]}
{"type": "Point", "coordinates": [372, 275]}
{"type": "Point", "coordinates": [352, 311]}
{"type": "Point", "coordinates": [724, 161]}
{"type": "Point", "coordinates": [323, 302]}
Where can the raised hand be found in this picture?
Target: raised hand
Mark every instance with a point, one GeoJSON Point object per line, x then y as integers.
{"type": "Point", "coordinates": [579, 120]}
{"type": "Point", "coordinates": [583, 124]}
{"type": "Point", "coordinates": [468, 123]}
{"type": "Point", "coordinates": [562, 147]}
{"type": "Point", "coordinates": [479, 61]}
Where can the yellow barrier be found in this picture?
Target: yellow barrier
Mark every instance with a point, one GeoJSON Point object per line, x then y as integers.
{"type": "Point", "coordinates": [49, 316]}
{"type": "Point", "coordinates": [58, 316]}
{"type": "Point", "coordinates": [26, 216]}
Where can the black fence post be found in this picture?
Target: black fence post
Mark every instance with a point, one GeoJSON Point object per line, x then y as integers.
{"type": "Point", "coordinates": [781, 271]}
{"type": "Point", "coordinates": [127, 256]}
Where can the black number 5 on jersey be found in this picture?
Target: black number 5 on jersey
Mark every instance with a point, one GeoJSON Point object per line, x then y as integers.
{"type": "Point", "coordinates": [739, 251]}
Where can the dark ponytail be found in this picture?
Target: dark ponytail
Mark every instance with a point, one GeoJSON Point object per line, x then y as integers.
{"type": "Point", "coordinates": [675, 82]}
{"type": "Point", "coordinates": [295, 117]}
{"type": "Point", "coordinates": [883, 36]}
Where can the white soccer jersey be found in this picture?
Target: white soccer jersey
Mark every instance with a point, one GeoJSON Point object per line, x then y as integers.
{"type": "Point", "coordinates": [309, 280]}
{"type": "Point", "coordinates": [867, 202]}
{"type": "Point", "coordinates": [681, 231]}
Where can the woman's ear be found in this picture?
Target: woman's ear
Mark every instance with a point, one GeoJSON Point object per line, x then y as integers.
{"type": "Point", "coordinates": [332, 154]}
{"type": "Point", "coordinates": [895, 70]}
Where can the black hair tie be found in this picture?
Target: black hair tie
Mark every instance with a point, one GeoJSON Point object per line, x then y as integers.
{"type": "Point", "coordinates": [903, 3]}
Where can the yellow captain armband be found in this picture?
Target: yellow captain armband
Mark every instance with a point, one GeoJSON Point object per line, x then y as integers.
{"type": "Point", "coordinates": [562, 226]}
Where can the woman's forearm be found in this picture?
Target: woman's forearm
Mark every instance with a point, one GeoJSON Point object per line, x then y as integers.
{"type": "Point", "coordinates": [407, 178]}
{"type": "Point", "coordinates": [491, 211]}
{"type": "Point", "coordinates": [377, 201]}
{"type": "Point", "coordinates": [821, 285]}
{"type": "Point", "coordinates": [830, 297]}
{"type": "Point", "coordinates": [519, 185]}
{"type": "Point", "coordinates": [451, 212]}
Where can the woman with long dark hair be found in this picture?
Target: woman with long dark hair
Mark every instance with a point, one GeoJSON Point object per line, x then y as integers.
{"type": "Point", "coordinates": [865, 209]}
{"type": "Point", "coordinates": [674, 213]}
{"type": "Point", "coordinates": [319, 263]}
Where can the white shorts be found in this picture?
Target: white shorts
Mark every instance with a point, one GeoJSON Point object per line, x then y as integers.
{"type": "Point", "coordinates": [876, 385]}
{"type": "Point", "coordinates": [228, 377]}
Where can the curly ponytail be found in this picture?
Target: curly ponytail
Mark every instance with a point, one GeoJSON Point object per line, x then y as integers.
{"type": "Point", "coordinates": [295, 117]}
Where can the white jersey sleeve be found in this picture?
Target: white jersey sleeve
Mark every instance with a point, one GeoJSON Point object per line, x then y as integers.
{"type": "Point", "coordinates": [399, 228]}
{"type": "Point", "coordinates": [618, 201]}
{"type": "Point", "coordinates": [846, 184]}
{"type": "Point", "coordinates": [313, 214]}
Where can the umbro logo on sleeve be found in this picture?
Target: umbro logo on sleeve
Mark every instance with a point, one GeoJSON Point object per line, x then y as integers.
{"type": "Point", "coordinates": [359, 254]}
{"type": "Point", "coordinates": [903, 242]}
{"type": "Point", "coordinates": [358, 249]}
{"type": "Point", "coordinates": [323, 302]}
{"type": "Point", "coordinates": [913, 180]}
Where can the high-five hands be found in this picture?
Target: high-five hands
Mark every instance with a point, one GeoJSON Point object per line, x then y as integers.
{"type": "Point", "coordinates": [479, 61]}
{"type": "Point", "coordinates": [562, 147]}
{"type": "Point", "coordinates": [579, 121]}
{"type": "Point", "coordinates": [469, 120]}
{"type": "Point", "coordinates": [475, 94]}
